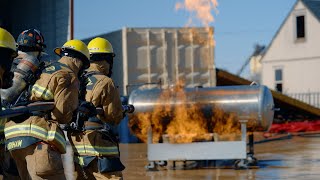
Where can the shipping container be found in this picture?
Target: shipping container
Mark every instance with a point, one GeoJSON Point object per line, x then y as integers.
{"type": "Point", "coordinates": [162, 56]}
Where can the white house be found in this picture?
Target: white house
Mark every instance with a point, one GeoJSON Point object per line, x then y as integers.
{"type": "Point", "coordinates": [291, 63]}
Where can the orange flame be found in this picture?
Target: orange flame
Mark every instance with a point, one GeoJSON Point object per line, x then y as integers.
{"type": "Point", "coordinates": [183, 122]}
{"type": "Point", "coordinates": [187, 119]}
{"type": "Point", "coordinates": [201, 8]}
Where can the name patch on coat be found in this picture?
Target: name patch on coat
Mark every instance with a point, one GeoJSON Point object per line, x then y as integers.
{"type": "Point", "coordinates": [14, 144]}
{"type": "Point", "coordinates": [20, 142]}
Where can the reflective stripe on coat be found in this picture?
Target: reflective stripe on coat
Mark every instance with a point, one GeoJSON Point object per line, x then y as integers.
{"type": "Point", "coordinates": [93, 143]}
{"type": "Point", "coordinates": [39, 128]}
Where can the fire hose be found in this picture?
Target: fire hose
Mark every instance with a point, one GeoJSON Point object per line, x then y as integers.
{"type": "Point", "coordinates": [289, 135]}
{"type": "Point", "coordinates": [46, 106]}
{"type": "Point", "coordinates": [30, 108]}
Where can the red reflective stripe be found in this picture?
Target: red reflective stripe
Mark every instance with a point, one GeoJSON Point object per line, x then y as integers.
{"type": "Point", "coordinates": [31, 65]}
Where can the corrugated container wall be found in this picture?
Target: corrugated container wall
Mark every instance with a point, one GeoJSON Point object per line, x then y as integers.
{"type": "Point", "coordinates": [50, 17]}
{"type": "Point", "coordinates": [151, 55]}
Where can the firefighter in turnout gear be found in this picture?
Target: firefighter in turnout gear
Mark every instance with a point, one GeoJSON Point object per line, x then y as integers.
{"type": "Point", "coordinates": [96, 151]}
{"type": "Point", "coordinates": [7, 54]}
{"type": "Point", "coordinates": [37, 142]}
{"type": "Point", "coordinates": [26, 68]}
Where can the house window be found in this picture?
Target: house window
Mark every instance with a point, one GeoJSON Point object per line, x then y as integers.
{"type": "Point", "coordinates": [278, 80]}
{"type": "Point", "coordinates": [300, 27]}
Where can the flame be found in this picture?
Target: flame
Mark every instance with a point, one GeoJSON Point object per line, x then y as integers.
{"type": "Point", "coordinates": [139, 125]}
{"type": "Point", "coordinates": [225, 124]}
{"type": "Point", "coordinates": [201, 8]}
{"type": "Point", "coordinates": [185, 122]}
{"type": "Point", "coordinates": [187, 119]}
{"type": "Point", "coordinates": [158, 119]}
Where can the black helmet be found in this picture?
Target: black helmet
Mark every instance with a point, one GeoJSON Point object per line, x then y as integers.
{"type": "Point", "coordinates": [31, 40]}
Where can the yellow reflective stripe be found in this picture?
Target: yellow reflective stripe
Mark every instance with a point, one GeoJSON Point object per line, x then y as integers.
{"type": "Point", "coordinates": [96, 150]}
{"type": "Point", "coordinates": [45, 93]}
{"type": "Point", "coordinates": [16, 126]}
{"type": "Point", "coordinates": [2, 125]}
{"type": "Point", "coordinates": [95, 153]}
{"type": "Point", "coordinates": [98, 147]}
{"type": "Point", "coordinates": [81, 162]}
{"type": "Point", "coordinates": [57, 136]}
{"type": "Point", "coordinates": [2, 122]}
{"type": "Point", "coordinates": [35, 130]}
{"type": "Point", "coordinates": [25, 126]}
{"type": "Point", "coordinates": [25, 129]}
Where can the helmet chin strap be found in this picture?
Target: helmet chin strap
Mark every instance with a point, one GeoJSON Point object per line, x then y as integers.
{"type": "Point", "coordinates": [39, 55]}
{"type": "Point", "coordinates": [110, 62]}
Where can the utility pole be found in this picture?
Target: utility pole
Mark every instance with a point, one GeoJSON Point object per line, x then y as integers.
{"type": "Point", "coordinates": [71, 19]}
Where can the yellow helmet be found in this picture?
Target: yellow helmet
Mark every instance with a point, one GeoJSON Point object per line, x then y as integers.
{"type": "Point", "coordinates": [78, 48]}
{"type": "Point", "coordinates": [100, 45]}
{"type": "Point", "coordinates": [7, 41]}
{"type": "Point", "coordinates": [75, 45]}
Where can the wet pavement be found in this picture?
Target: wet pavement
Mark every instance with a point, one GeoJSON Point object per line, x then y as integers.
{"type": "Point", "coordinates": [295, 158]}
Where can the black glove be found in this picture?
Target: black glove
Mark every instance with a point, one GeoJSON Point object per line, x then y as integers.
{"type": "Point", "coordinates": [87, 109]}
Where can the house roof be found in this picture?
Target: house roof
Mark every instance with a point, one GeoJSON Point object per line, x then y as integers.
{"type": "Point", "coordinates": [313, 6]}
{"type": "Point", "coordinates": [288, 106]}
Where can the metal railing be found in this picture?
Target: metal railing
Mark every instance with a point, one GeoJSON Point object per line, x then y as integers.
{"type": "Point", "coordinates": [312, 98]}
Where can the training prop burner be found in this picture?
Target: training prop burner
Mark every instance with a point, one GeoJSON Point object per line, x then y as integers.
{"type": "Point", "coordinates": [252, 105]}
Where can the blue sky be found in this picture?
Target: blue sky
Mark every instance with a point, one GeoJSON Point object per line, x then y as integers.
{"type": "Point", "coordinates": [238, 25]}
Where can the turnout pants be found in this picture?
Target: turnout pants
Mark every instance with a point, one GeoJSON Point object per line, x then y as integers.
{"type": "Point", "coordinates": [92, 172]}
{"type": "Point", "coordinates": [38, 161]}
{"type": "Point", "coordinates": [7, 165]}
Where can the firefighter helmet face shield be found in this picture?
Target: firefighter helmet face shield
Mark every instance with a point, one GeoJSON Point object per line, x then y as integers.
{"type": "Point", "coordinates": [75, 48]}
{"type": "Point", "coordinates": [71, 53]}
